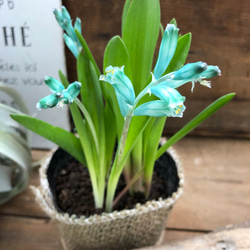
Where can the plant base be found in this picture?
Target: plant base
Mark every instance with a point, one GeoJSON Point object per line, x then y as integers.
{"type": "Point", "coordinates": [126, 229]}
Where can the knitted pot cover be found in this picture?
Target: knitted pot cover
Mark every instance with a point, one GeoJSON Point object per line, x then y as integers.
{"type": "Point", "coordinates": [126, 229]}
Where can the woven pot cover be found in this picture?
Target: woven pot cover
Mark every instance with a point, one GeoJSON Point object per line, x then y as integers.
{"type": "Point", "coordinates": [126, 229]}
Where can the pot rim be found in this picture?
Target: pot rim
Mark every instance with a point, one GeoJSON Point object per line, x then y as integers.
{"type": "Point", "coordinates": [45, 199]}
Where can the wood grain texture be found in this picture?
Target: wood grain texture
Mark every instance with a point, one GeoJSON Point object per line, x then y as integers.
{"type": "Point", "coordinates": [216, 188]}
{"type": "Point", "coordinates": [234, 237]}
{"type": "Point", "coordinates": [19, 233]}
{"type": "Point", "coordinates": [220, 36]}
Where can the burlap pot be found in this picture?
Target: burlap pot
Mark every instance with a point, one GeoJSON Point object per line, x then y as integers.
{"type": "Point", "coordinates": [127, 229]}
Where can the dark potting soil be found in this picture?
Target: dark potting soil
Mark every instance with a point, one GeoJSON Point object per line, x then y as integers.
{"type": "Point", "coordinates": [71, 187]}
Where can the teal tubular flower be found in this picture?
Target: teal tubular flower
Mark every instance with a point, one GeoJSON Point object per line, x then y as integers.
{"type": "Point", "coordinates": [167, 50]}
{"type": "Point", "coordinates": [170, 103]}
{"type": "Point", "coordinates": [64, 20]}
{"type": "Point", "coordinates": [71, 45]}
{"type": "Point", "coordinates": [60, 95]}
{"type": "Point", "coordinates": [123, 87]}
{"type": "Point", "coordinates": [191, 72]}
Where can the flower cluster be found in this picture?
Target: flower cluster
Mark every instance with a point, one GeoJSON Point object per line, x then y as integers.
{"type": "Point", "coordinates": [60, 95]}
{"type": "Point", "coordinates": [170, 102]}
{"type": "Point", "coordinates": [64, 20]}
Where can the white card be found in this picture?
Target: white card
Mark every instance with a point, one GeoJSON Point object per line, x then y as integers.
{"type": "Point", "coordinates": [31, 47]}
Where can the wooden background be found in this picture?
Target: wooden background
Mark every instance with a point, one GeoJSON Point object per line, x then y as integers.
{"type": "Point", "coordinates": [221, 36]}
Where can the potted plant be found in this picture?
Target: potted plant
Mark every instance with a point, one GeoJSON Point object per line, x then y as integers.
{"type": "Point", "coordinates": [15, 156]}
{"type": "Point", "coordinates": [119, 119]}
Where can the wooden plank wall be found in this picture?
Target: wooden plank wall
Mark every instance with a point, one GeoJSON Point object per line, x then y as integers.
{"type": "Point", "coordinates": [221, 36]}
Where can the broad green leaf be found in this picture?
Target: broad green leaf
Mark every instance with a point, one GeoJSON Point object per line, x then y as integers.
{"type": "Point", "coordinates": [84, 77]}
{"type": "Point", "coordinates": [125, 12]}
{"type": "Point", "coordinates": [91, 95]}
{"type": "Point", "coordinates": [140, 34]}
{"type": "Point", "coordinates": [181, 53]}
{"type": "Point", "coordinates": [116, 54]}
{"type": "Point", "coordinates": [98, 116]}
{"type": "Point", "coordinates": [97, 102]}
{"type": "Point", "coordinates": [61, 137]}
{"type": "Point", "coordinates": [211, 109]}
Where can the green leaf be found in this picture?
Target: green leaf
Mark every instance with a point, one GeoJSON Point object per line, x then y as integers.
{"type": "Point", "coordinates": [63, 79]}
{"type": "Point", "coordinates": [84, 77]}
{"type": "Point", "coordinates": [125, 12]}
{"type": "Point", "coordinates": [137, 126]}
{"type": "Point", "coordinates": [82, 129]}
{"type": "Point", "coordinates": [152, 133]}
{"type": "Point", "coordinates": [87, 51]}
{"type": "Point", "coordinates": [98, 115]}
{"type": "Point", "coordinates": [116, 54]}
{"type": "Point", "coordinates": [211, 109]}
{"type": "Point", "coordinates": [181, 53]}
{"type": "Point", "coordinates": [136, 129]}
{"type": "Point", "coordinates": [91, 94]}
{"type": "Point", "coordinates": [173, 21]}
{"type": "Point", "coordinates": [89, 150]}
{"type": "Point", "coordinates": [110, 134]}
{"type": "Point", "coordinates": [97, 102]}
{"type": "Point", "coordinates": [61, 137]}
{"type": "Point", "coordinates": [140, 34]}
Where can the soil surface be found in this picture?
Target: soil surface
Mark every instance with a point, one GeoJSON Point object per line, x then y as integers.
{"type": "Point", "coordinates": [71, 186]}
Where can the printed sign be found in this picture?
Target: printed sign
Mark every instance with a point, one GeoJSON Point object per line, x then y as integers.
{"type": "Point", "coordinates": [31, 47]}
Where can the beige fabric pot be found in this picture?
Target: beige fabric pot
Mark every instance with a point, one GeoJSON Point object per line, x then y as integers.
{"type": "Point", "coordinates": [127, 229]}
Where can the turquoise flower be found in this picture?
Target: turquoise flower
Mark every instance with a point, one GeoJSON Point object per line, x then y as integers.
{"type": "Point", "coordinates": [167, 50]}
{"type": "Point", "coordinates": [170, 103]}
{"type": "Point", "coordinates": [123, 87]}
{"type": "Point", "coordinates": [64, 20]}
{"type": "Point", "coordinates": [191, 72]}
{"type": "Point", "coordinates": [60, 95]}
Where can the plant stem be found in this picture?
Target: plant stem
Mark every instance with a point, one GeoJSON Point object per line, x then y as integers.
{"type": "Point", "coordinates": [124, 135]}
{"type": "Point", "coordinates": [89, 121]}
{"type": "Point", "coordinates": [136, 162]}
{"type": "Point", "coordinates": [130, 183]}
{"type": "Point", "coordinates": [116, 169]}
